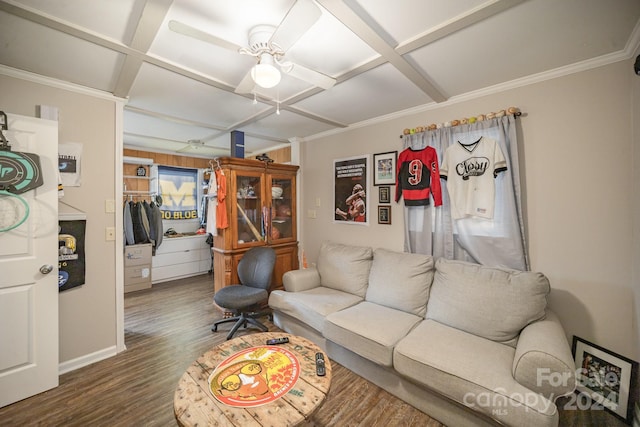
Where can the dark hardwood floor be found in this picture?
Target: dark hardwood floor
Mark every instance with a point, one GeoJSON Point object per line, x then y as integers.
{"type": "Point", "coordinates": [166, 328]}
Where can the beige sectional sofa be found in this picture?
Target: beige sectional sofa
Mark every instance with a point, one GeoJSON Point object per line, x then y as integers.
{"type": "Point", "coordinates": [466, 344]}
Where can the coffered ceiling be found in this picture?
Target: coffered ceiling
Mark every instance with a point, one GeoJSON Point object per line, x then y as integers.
{"type": "Point", "coordinates": [177, 61]}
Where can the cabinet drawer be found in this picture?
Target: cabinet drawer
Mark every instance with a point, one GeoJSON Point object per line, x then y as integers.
{"type": "Point", "coordinates": [173, 258]}
{"type": "Point", "coordinates": [137, 254]}
{"type": "Point", "coordinates": [171, 272]}
{"type": "Point", "coordinates": [137, 274]}
{"type": "Point", "coordinates": [180, 244]}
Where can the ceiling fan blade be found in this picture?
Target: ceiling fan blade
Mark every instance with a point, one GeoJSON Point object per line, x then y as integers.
{"type": "Point", "coordinates": [189, 31]}
{"type": "Point", "coordinates": [302, 15]}
{"type": "Point", "coordinates": [246, 85]}
{"type": "Point", "coordinates": [308, 75]}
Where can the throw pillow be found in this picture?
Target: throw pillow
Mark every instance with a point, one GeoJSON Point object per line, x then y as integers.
{"type": "Point", "coordinates": [345, 267]}
{"type": "Point", "coordinates": [493, 303]}
{"type": "Point", "coordinates": [400, 280]}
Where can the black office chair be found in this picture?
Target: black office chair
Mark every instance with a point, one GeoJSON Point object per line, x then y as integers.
{"type": "Point", "coordinates": [254, 271]}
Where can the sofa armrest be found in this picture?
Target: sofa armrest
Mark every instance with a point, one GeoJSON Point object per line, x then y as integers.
{"type": "Point", "coordinates": [543, 360]}
{"type": "Point", "coordinates": [301, 280]}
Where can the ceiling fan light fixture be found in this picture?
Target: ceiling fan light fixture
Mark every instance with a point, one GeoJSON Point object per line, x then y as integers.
{"type": "Point", "coordinates": [264, 73]}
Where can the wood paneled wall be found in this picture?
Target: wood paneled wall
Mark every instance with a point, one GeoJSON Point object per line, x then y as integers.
{"type": "Point", "coordinates": [282, 155]}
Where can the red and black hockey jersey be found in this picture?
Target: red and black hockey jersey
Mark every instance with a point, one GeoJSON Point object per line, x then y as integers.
{"type": "Point", "coordinates": [418, 176]}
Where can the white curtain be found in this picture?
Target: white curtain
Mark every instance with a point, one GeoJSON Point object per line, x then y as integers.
{"type": "Point", "coordinates": [497, 242]}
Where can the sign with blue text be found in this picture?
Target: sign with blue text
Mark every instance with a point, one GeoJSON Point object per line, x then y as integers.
{"type": "Point", "coordinates": [178, 188]}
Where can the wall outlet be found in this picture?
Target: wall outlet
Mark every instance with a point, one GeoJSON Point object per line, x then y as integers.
{"type": "Point", "coordinates": [311, 213]}
{"type": "Point", "coordinates": [110, 233]}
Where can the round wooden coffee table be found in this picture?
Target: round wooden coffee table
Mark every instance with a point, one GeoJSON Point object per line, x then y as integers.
{"type": "Point", "coordinates": [194, 402]}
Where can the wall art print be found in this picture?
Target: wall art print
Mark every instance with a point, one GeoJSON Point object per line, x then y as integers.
{"type": "Point", "coordinates": [605, 377]}
{"type": "Point", "coordinates": [350, 190]}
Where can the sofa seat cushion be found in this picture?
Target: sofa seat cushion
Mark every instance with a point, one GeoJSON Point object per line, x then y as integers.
{"type": "Point", "coordinates": [370, 330]}
{"type": "Point", "coordinates": [312, 306]}
{"type": "Point", "coordinates": [345, 267]}
{"type": "Point", "coordinates": [489, 302]}
{"type": "Point", "coordinates": [400, 280]}
{"type": "Point", "coordinates": [470, 370]}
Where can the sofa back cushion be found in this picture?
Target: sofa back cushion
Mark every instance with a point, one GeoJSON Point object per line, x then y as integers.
{"type": "Point", "coordinates": [489, 302]}
{"type": "Point", "coordinates": [400, 280]}
{"type": "Point", "coordinates": [345, 267]}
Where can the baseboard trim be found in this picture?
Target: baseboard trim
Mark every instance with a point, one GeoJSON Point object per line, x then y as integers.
{"type": "Point", "coordinates": [87, 359]}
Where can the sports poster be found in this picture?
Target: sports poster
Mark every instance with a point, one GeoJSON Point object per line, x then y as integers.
{"type": "Point", "coordinates": [351, 182]}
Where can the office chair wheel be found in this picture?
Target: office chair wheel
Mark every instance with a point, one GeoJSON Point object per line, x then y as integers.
{"type": "Point", "coordinates": [214, 328]}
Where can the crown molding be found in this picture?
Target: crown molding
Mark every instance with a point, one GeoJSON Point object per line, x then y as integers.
{"type": "Point", "coordinates": [59, 84]}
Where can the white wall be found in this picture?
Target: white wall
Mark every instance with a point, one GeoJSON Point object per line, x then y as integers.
{"type": "Point", "coordinates": [87, 320]}
{"type": "Point", "coordinates": [578, 175]}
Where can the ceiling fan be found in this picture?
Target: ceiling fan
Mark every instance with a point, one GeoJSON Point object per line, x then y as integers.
{"type": "Point", "coordinates": [268, 44]}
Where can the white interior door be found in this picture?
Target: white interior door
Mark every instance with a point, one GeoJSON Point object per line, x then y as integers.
{"type": "Point", "coordinates": [28, 293]}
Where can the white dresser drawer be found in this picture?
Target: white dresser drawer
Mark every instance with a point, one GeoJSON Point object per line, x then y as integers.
{"type": "Point", "coordinates": [179, 257]}
{"type": "Point", "coordinates": [180, 244]}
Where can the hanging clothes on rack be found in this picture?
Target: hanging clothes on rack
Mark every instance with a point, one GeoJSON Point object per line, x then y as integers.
{"type": "Point", "coordinates": [139, 230]}
{"type": "Point", "coordinates": [212, 204]}
{"type": "Point", "coordinates": [222, 221]}
{"type": "Point", "coordinates": [155, 223]}
{"type": "Point", "coordinates": [128, 224]}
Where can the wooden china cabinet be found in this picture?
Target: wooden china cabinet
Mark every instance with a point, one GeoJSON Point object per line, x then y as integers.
{"type": "Point", "coordinates": [261, 208]}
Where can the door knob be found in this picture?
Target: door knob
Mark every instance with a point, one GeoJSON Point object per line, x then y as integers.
{"type": "Point", "coordinates": [46, 269]}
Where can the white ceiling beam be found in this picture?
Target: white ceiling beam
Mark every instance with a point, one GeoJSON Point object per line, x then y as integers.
{"type": "Point", "coordinates": [364, 30]}
{"type": "Point", "coordinates": [54, 23]}
{"type": "Point", "coordinates": [146, 29]}
{"type": "Point", "coordinates": [173, 119]}
{"type": "Point", "coordinates": [472, 16]}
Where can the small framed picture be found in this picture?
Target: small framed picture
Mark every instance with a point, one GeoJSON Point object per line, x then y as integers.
{"type": "Point", "coordinates": [384, 168]}
{"type": "Point", "coordinates": [384, 194]}
{"type": "Point", "coordinates": [605, 377]}
{"type": "Point", "coordinates": [384, 214]}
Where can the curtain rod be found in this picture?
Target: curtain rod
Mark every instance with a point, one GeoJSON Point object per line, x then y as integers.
{"type": "Point", "coordinates": [470, 120]}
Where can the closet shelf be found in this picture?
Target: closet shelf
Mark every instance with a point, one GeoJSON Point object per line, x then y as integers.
{"type": "Point", "coordinates": [138, 192]}
{"type": "Point", "coordinates": [139, 177]}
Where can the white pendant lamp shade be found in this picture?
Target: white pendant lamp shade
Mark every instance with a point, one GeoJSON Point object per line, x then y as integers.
{"type": "Point", "coordinates": [265, 74]}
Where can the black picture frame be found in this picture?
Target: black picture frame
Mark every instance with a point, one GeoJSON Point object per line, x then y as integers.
{"type": "Point", "coordinates": [607, 378]}
{"type": "Point", "coordinates": [384, 215]}
{"type": "Point", "coordinates": [384, 168]}
{"type": "Point", "coordinates": [384, 194]}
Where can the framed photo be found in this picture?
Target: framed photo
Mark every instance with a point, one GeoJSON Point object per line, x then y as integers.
{"type": "Point", "coordinates": [350, 186]}
{"type": "Point", "coordinates": [384, 168]}
{"type": "Point", "coordinates": [605, 377]}
{"type": "Point", "coordinates": [384, 214]}
{"type": "Point", "coordinates": [384, 194]}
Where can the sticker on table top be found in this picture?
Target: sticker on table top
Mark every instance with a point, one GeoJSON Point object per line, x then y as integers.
{"type": "Point", "coordinates": [254, 376]}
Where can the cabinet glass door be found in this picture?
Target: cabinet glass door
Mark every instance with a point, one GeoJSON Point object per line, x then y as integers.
{"type": "Point", "coordinates": [249, 227]}
{"type": "Point", "coordinates": [282, 208]}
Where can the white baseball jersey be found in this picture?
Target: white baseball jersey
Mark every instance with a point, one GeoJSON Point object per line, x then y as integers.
{"type": "Point", "coordinates": [470, 170]}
